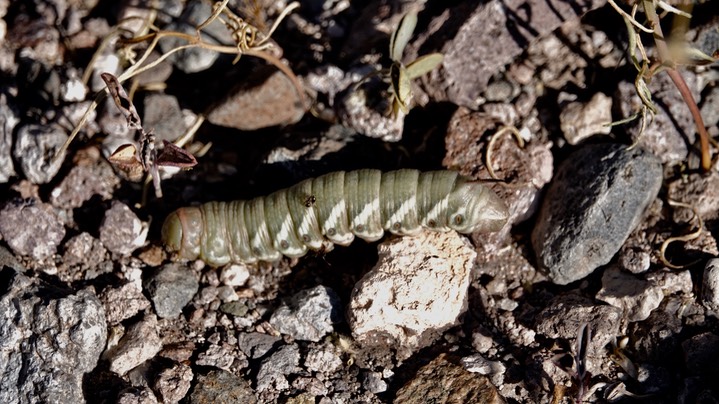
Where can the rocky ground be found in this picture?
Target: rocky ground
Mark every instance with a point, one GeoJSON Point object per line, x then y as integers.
{"type": "Point", "coordinates": [602, 286]}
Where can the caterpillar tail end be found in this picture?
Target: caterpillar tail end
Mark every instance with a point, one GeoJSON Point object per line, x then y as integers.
{"type": "Point", "coordinates": [181, 231]}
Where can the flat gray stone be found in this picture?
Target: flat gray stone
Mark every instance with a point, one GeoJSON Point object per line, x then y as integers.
{"type": "Point", "coordinates": [596, 199]}
{"type": "Point", "coordinates": [255, 344]}
{"type": "Point", "coordinates": [164, 117]}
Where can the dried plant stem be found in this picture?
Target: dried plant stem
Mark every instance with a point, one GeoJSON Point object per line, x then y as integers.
{"type": "Point", "coordinates": [629, 17]}
{"type": "Point", "coordinates": [686, 237]}
{"type": "Point", "coordinates": [490, 147]}
{"type": "Point", "coordinates": [193, 41]}
{"type": "Point", "coordinates": [668, 64]}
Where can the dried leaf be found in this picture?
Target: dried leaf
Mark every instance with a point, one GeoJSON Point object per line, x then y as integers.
{"type": "Point", "coordinates": [126, 161]}
{"type": "Point", "coordinates": [581, 349]}
{"type": "Point", "coordinates": [173, 156]}
{"type": "Point", "coordinates": [400, 37]}
{"type": "Point", "coordinates": [123, 102]}
{"type": "Point", "coordinates": [401, 87]}
{"type": "Point", "coordinates": [424, 64]}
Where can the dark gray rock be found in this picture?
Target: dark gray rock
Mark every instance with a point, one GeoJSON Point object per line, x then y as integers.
{"type": "Point", "coordinates": [35, 148]}
{"type": "Point", "coordinates": [701, 354]}
{"type": "Point", "coordinates": [274, 368]}
{"type": "Point", "coordinates": [122, 231]}
{"type": "Point", "coordinates": [256, 345]}
{"type": "Point", "coordinates": [47, 342]}
{"type": "Point", "coordinates": [308, 315]}
{"type": "Point", "coordinates": [31, 228]}
{"type": "Point", "coordinates": [594, 202]}
{"type": "Point", "coordinates": [171, 288]}
{"type": "Point", "coordinates": [220, 386]}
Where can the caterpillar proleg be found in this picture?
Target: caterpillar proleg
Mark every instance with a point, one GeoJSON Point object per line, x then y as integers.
{"type": "Point", "coordinates": [334, 208]}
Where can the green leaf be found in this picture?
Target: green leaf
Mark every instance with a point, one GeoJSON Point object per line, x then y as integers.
{"type": "Point", "coordinates": [401, 36]}
{"type": "Point", "coordinates": [423, 65]}
{"type": "Point", "coordinates": [401, 86]}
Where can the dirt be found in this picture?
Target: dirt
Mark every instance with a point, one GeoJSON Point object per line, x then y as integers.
{"type": "Point", "coordinates": [522, 87]}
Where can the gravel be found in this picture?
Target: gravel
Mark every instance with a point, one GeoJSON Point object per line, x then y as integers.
{"type": "Point", "coordinates": [94, 309]}
{"type": "Point", "coordinates": [309, 315]}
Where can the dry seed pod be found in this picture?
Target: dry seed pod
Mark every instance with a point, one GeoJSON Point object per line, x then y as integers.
{"type": "Point", "coordinates": [332, 208]}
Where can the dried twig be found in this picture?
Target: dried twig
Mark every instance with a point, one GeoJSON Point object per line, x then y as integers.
{"type": "Point", "coordinates": [687, 237]}
{"type": "Point", "coordinates": [251, 48]}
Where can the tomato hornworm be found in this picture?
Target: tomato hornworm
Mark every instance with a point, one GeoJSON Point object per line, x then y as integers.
{"type": "Point", "coordinates": [333, 208]}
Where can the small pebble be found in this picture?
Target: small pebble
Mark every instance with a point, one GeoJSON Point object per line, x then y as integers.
{"type": "Point", "coordinates": [171, 288]}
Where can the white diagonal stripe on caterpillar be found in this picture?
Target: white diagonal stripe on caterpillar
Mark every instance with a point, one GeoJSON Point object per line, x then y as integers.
{"type": "Point", "coordinates": [401, 213]}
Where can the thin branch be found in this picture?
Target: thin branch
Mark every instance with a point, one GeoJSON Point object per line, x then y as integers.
{"type": "Point", "coordinates": [665, 57]}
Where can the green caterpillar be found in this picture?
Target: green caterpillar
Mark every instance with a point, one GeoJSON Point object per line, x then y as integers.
{"type": "Point", "coordinates": [333, 208]}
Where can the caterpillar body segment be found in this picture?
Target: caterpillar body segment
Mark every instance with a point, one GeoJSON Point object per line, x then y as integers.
{"type": "Point", "coordinates": [333, 208]}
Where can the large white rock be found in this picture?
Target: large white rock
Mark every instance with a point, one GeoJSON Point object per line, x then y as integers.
{"type": "Point", "coordinates": [416, 291]}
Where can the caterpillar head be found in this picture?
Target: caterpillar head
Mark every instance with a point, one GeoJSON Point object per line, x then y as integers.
{"type": "Point", "coordinates": [472, 207]}
{"type": "Point", "coordinates": [181, 232]}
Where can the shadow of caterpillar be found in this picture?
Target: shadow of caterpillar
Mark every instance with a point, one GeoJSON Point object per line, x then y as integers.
{"type": "Point", "coordinates": [333, 208]}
